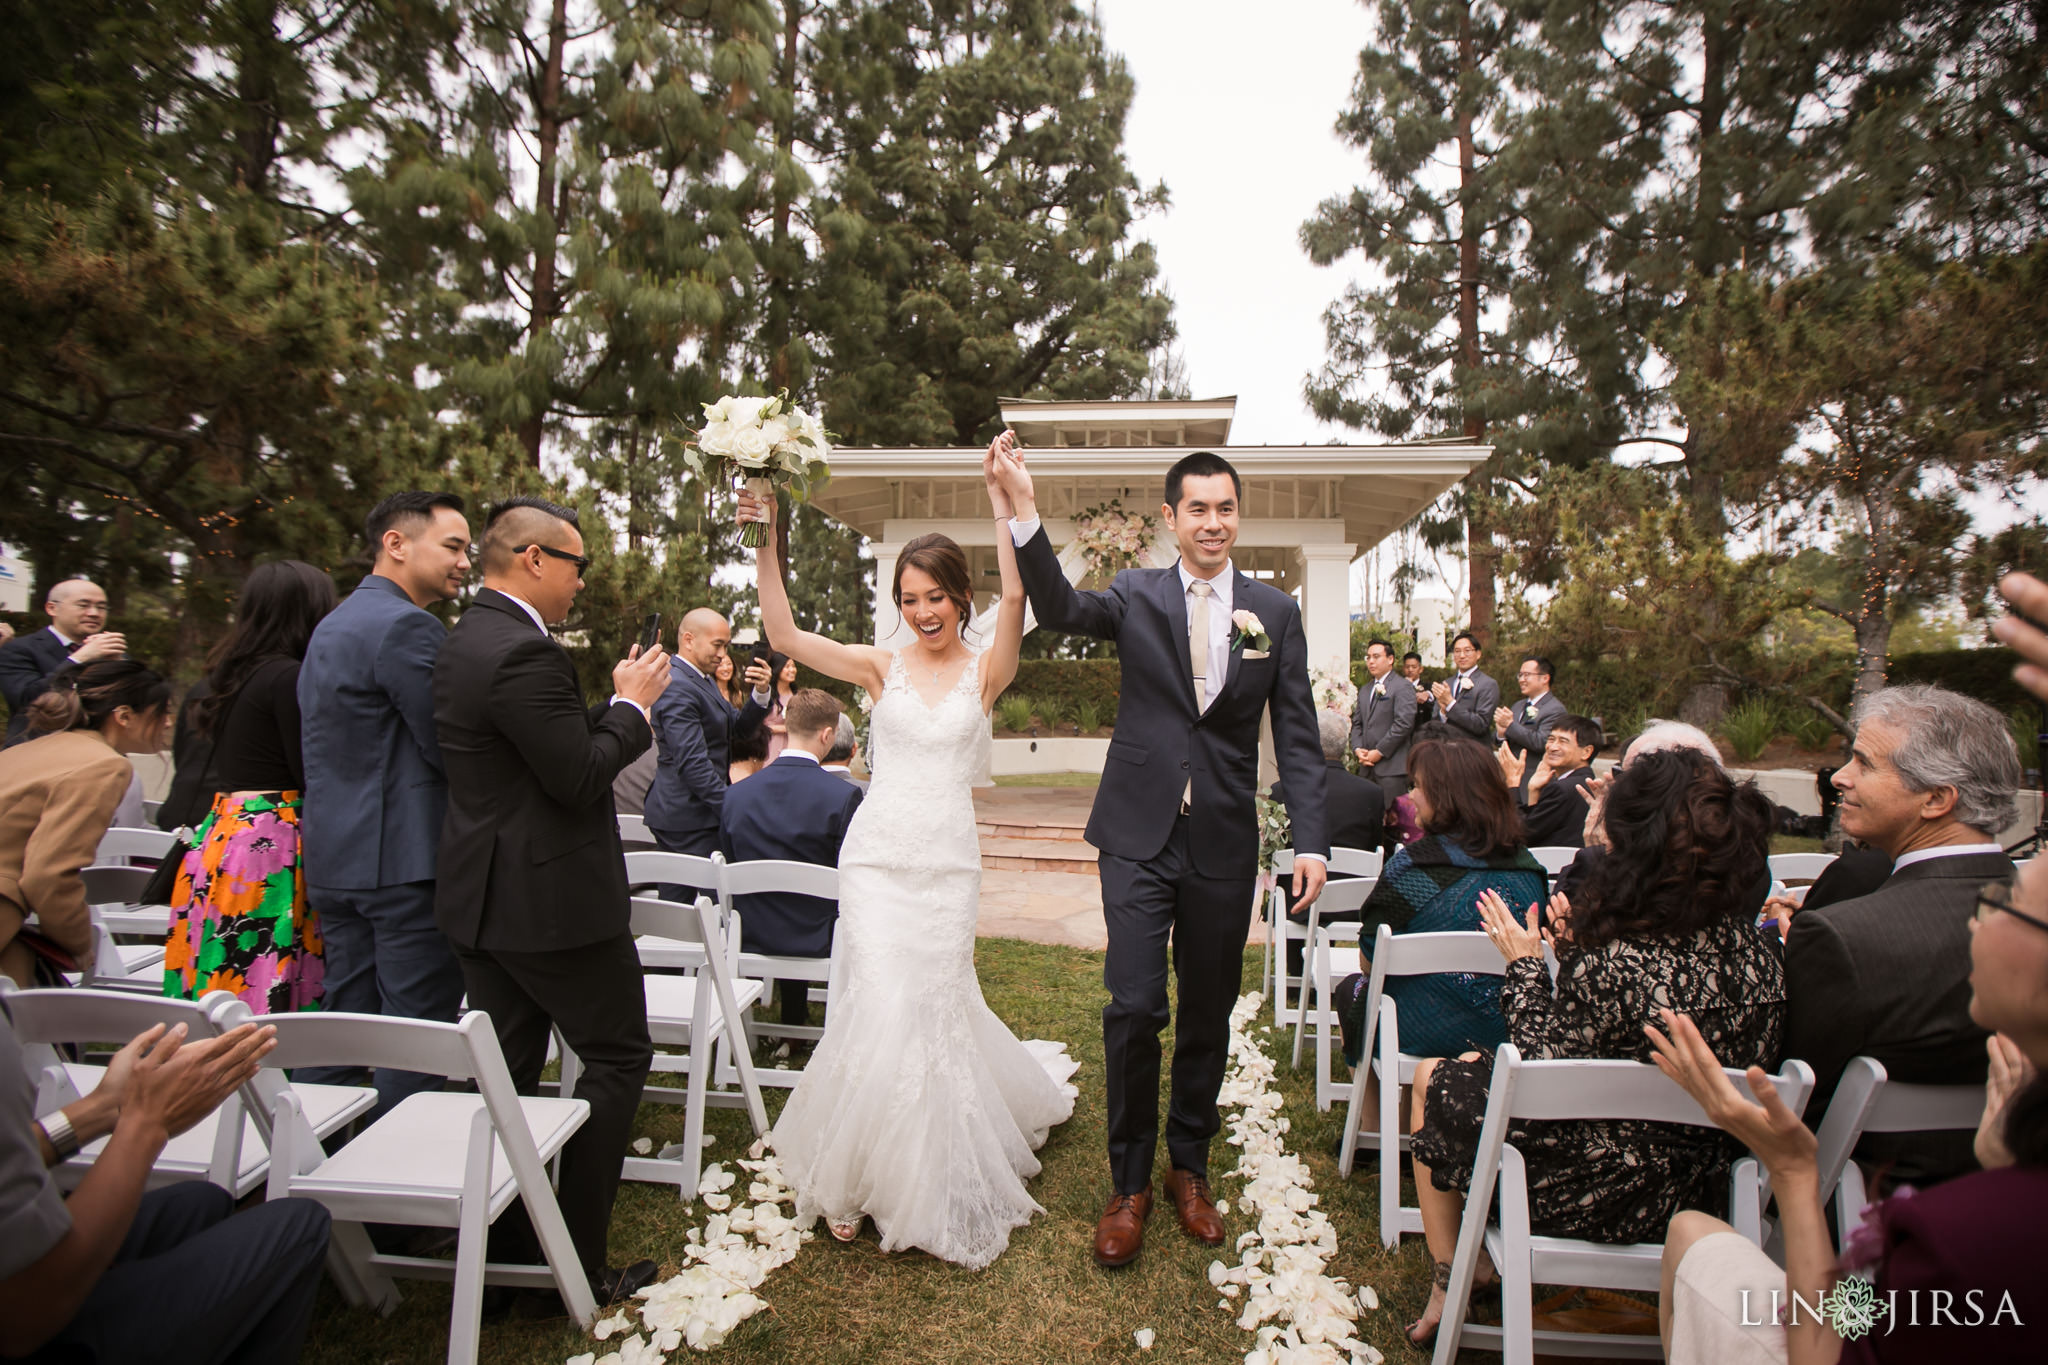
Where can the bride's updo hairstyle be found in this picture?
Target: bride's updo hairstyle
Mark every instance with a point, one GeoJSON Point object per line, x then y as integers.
{"type": "Point", "coordinates": [946, 562]}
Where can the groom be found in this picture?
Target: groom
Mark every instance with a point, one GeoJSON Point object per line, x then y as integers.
{"type": "Point", "coordinates": [1205, 651]}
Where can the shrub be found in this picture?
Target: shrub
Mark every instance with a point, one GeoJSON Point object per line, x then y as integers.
{"type": "Point", "coordinates": [1013, 711]}
{"type": "Point", "coordinates": [1051, 710]}
{"type": "Point", "coordinates": [1071, 682]}
{"type": "Point", "coordinates": [2026, 728]}
{"type": "Point", "coordinates": [1810, 728]}
{"type": "Point", "coordinates": [1750, 727]}
{"type": "Point", "coordinates": [1088, 716]}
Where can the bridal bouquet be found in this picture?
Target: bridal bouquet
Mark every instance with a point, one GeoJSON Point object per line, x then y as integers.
{"type": "Point", "coordinates": [764, 441]}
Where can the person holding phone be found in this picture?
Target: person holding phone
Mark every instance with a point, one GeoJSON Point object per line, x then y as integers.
{"type": "Point", "coordinates": [782, 669]}
{"type": "Point", "coordinates": [694, 726]}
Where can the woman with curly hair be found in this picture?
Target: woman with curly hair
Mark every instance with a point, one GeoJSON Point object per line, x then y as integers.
{"type": "Point", "coordinates": [1665, 921]}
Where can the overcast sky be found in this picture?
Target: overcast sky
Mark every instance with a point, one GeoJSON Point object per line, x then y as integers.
{"type": "Point", "coordinates": [1234, 111]}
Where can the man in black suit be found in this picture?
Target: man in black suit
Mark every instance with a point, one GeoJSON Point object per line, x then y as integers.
{"type": "Point", "coordinates": [795, 811]}
{"type": "Point", "coordinates": [1524, 726]}
{"type": "Point", "coordinates": [531, 879]}
{"type": "Point", "coordinates": [1468, 698]}
{"type": "Point", "coordinates": [1383, 725]}
{"type": "Point", "coordinates": [77, 634]}
{"type": "Point", "coordinates": [1932, 781]}
{"type": "Point", "coordinates": [1206, 651]}
{"type": "Point", "coordinates": [1425, 705]}
{"type": "Point", "coordinates": [1553, 812]}
{"type": "Point", "coordinates": [694, 725]}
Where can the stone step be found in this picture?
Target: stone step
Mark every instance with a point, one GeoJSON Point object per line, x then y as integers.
{"type": "Point", "coordinates": [998, 830]}
{"type": "Point", "coordinates": [1071, 856]}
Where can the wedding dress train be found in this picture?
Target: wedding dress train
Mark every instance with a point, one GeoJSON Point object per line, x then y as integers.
{"type": "Point", "coordinates": [919, 1108]}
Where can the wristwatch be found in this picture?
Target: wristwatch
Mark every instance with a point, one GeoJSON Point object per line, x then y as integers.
{"type": "Point", "coordinates": [63, 1140]}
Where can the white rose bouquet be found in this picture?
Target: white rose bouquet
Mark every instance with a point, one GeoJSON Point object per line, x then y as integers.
{"type": "Point", "coordinates": [765, 441]}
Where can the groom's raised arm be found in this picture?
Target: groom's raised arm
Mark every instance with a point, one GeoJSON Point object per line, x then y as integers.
{"type": "Point", "coordinates": [1059, 604]}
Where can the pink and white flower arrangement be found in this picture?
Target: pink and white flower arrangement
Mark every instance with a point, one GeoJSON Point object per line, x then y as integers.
{"type": "Point", "coordinates": [1112, 540]}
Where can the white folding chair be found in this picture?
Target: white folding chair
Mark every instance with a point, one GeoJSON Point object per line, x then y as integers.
{"type": "Point", "coordinates": [1804, 867]}
{"type": "Point", "coordinates": [1554, 857]}
{"type": "Point", "coordinates": [781, 876]}
{"type": "Point", "coordinates": [114, 893]}
{"type": "Point", "coordinates": [695, 1011]}
{"type": "Point", "coordinates": [119, 849]}
{"type": "Point", "coordinates": [437, 1159]}
{"type": "Point", "coordinates": [1269, 905]}
{"type": "Point", "coordinates": [654, 867]}
{"type": "Point", "coordinates": [634, 835]}
{"type": "Point", "coordinates": [123, 843]}
{"type": "Point", "coordinates": [1866, 1102]}
{"type": "Point", "coordinates": [228, 1147]}
{"type": "Point", "coordinates": [1331, 955]}
{"type": "Point", "coordinates": [1380, 1055]}
{"type": "Point", "coordinates": [1566, 1090]}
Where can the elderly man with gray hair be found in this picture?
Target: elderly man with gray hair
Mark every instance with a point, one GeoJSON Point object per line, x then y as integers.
{"type": "Point", "coordinates": [1354, 812]}
{"type": "Point", "coordinates": [1932, 781]}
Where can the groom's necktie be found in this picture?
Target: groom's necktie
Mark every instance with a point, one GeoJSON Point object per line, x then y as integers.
{"type": "Point", "coordinates": [1198, 661]}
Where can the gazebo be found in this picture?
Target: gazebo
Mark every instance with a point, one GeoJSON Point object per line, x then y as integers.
{"type": "Point", "coordinates": [1308, 510]}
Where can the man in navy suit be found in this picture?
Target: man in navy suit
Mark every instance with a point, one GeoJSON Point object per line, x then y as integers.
{"type": "Point", "coordinates": [1206, 651]}
{"type": "Point", "coordinates": [795, 811]}
{"type": "Point", "coordinates": [375, 790]}
{"type": "Point", "coordinates": [694, 727]}
{"type": "Point", "coordinates": [77, 634]}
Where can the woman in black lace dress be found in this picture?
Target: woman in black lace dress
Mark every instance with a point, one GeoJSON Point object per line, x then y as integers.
{"type": "Point", "coordinates": [1664, 922]}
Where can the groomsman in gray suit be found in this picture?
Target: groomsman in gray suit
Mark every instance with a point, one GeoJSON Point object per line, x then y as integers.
{"type": "Point", "coordinates": [1467, 699]}
{"type": "Point", "coordinates": [1525, 726]}
{"type": "Point", "coordinates": [1383, 723]}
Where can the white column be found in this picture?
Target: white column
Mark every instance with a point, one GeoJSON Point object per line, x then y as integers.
{"type": "Point", "coordinates": [886, 618]}
{"type": "Point", "coordinates": [1326, 603]}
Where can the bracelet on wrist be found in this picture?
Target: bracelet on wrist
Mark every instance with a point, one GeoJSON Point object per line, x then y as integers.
{"type": "Point", "coordinates": [62, 1137]}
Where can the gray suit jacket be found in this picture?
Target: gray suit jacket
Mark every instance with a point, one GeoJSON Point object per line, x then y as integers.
{"type": "Point", "coordinates": [375, 790]}
{"type": "Point", "coordinates": [1385, 723]}
{"type": "Point", "coordinates": [1472, 709]}
{"type": "Point", "coordinates": [1887, 976]}
{"type": "Point", "coordinates": [1526, 737]}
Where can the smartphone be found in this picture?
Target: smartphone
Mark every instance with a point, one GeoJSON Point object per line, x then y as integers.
{"type": "Point", "coordinates": [650, 631]}
{"type": "Point", "coordinates": [759, 653]}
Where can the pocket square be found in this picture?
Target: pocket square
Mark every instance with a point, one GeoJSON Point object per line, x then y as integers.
{"type": "Point", "coordinates": [1251, 654]}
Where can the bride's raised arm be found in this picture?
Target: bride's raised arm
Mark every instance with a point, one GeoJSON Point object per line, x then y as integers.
{"type": "Point", "coordinates": [999, 665]}
{"type": "Point", "coordinates": [863, 665]}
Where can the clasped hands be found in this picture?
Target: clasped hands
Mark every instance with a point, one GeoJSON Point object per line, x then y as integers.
{"type": "Point", "coordinates": [165, 1083]}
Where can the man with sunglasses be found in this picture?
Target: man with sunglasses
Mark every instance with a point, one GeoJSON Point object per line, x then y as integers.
{"type": "Point", "coordinates": [531, 878]}
{"type": "Point", "coordinates": [1932, 782]}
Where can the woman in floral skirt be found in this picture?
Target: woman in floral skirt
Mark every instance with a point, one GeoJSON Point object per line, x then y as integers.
{"type": "Point", "coordinates": [240, 921]}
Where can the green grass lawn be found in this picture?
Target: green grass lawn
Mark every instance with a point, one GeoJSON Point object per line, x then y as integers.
{"type": "Point", "coordinates": [1044, 1301]}
{"type": "Point", "coordinates": [1049, 780]}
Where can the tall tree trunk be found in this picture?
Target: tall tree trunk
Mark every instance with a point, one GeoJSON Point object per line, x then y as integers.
{"type": "Point", "coordinates": [1873, 616]}
{"type": "Point", "coordinates": [781, 278]}
{"type": "Point", "coordinates": [1485, 558]}
{"type": "Point", "coordinates": [256, 60]}
{"type": "Point", "coordinates": [548, 108]}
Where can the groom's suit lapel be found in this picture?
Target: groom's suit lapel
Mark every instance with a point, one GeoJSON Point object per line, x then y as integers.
{"type": "Point", "coordinates": [1175, 601]}
{"type": "Point", "coordinates": [1240, 600]}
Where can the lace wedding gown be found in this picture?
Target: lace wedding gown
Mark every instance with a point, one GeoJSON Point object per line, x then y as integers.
{"type": "Point", "coordinates": [919, 1108]}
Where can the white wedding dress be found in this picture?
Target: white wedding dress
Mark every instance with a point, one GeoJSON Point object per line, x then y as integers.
{"type": "Point", "coordinates": [919, 1108]}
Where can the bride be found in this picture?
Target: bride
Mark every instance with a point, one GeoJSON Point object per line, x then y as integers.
{"type": "Point", "coordinates": [919, 1109]}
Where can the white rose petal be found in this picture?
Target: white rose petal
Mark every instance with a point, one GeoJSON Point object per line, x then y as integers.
{"type": "Point", "coordinates": [643, 1145]}
{"type": "Point", "coordinates": [1144, 1336]}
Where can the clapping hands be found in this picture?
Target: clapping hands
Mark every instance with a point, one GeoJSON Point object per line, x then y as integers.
{"type": "Point", "coordinates": [1520, 938]}
{"type": "Point", "coordinates": [1512, 764]}
{"type": "Point", "coordinates": [1766, 1126]}
{"type": "Point", "coordinates": [2010, 1073]}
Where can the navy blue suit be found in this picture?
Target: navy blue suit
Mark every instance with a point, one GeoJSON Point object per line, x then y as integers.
{"type": "Point", "coordinates": [795, 811]}
{"type": "Point", "coordinates": [1174, 875]}
{"type": "Point", "coordinates": [26, 663]}
{"type": "Point", "coordinates": [693, 728]}
{"type": "Point", "coordinates": [375, 799]}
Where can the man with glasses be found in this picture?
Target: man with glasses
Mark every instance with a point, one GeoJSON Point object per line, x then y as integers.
{"type": "Point", "coordinates": [1468, 698]}
{"type": "Point", "coordinates": [1932, 782]}
{"type": "Point", "coordinates": [1524, 727]}
{"type": "Point", "coordinates": [1383, 723]}
{"type": "Point", "coordinates": [77, 634]}
{"type": "Point", "coordinates": [531, 877]}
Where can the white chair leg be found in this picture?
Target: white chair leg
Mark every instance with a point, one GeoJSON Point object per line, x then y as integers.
{"type": "Point", "coordinates": [465, 1314]}
{"type": "Point", "coordinates": [1354, 1113]}
{"type": "Point", "coordinates": [361, 1283]}
{"type": "Point", "coordinates": [1517, 1292]}
{"type": "Point", "coordinates": [692, 1158]}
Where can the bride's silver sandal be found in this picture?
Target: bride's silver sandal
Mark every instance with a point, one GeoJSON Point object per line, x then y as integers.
{"type": "Point", "coordinates": [844, 1232]}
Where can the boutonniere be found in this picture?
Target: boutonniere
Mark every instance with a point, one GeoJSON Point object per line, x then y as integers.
{"type": "Point", "coordinates": [1248, 633]}
{"type": "Point", "coordinates": [1379, 689]}
{"type": "Point", "coordinates": [1530, 713]}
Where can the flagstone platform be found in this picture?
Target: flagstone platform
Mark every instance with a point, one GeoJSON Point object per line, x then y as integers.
{"type": "Point", "coordinates": [1038, 879]}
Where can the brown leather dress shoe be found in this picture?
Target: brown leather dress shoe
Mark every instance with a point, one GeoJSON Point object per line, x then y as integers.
{"type": "Point", "coordinates": [1121, 1230]}
{"type": "Point", "coordinates": [1196, 1207]}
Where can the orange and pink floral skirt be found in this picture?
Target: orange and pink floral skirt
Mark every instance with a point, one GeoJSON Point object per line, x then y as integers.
{"type": "Point", "coordinates": [239, 917]}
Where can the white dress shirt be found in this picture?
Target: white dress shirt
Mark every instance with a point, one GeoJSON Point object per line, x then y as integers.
{"type": "Point", "coordinates": [1921, 855]}
{"type": "Point", "coordinates": [542, 627]}
{"type": "Point", "coordinates": [805, 754]}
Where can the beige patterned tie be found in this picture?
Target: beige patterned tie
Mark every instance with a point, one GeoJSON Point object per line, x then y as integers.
{"type": "Point", "coordinates": [1198, 661]}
